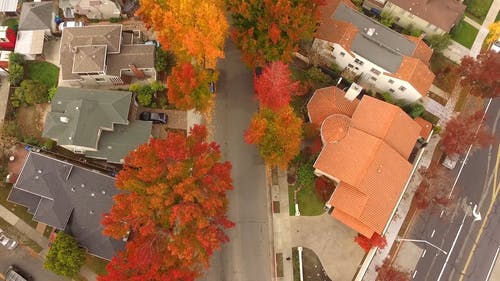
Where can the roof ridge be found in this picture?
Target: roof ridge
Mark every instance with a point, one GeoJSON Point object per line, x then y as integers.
{"type": "Point", "coordinates": [370, 159]}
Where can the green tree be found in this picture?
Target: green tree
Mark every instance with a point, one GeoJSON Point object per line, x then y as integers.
{"type": "Point", "coordinates": [16, 58]}
{"type": "Point", "coordinates": [165, 60]}
{"type": "Point", "coordinates": [16, 73]}
{"type": "Point", "coordinates": [414, 109]}
{"type": "Point", "coordinates": [439, 42]}
{"type": "Point", "coordinates": [386, 19]}
{"type": "Point", "coordinates": [145, 93]}
{"type": "Point", "coordinates": [31, 92]}
{"type": "Point", "coordinates": [65, 257]}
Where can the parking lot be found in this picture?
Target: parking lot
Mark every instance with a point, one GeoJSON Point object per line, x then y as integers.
{"type": "Point", "coordinates": [27, 261]}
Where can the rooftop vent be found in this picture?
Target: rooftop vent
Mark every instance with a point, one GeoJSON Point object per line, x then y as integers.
{"type": "Point", "coordinates": [370, 31]}
{"type": "Point", "coordinates": [37, 177]}
{"type": "Point", "coordinates": [77, 108]}
{"type": "Point", "coordinates": [110, 147]}
{"type": "Point", "coordinates": [82, 185]}
{"type": "Point", "coordinates": [73, 189]}
{"type": "Point", "coordinates": [103, 192]}
{"type": "Point", "coordinates": [39, 171]}
{"type": "Point", "coordinates": [74, 50]}
{"type": "Point", "coordinates": [91, 212]}
{"type": "Point", "coordinates": [92, 194]}
{"type": "Point", "coordinates": [64, 119]}
{"type": "Point", "coordinates": [59, 102]}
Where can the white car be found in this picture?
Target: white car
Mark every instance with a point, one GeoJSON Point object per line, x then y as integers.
{"type": "Point", "coordinates": [495, 47]}
{"type": "Point", "coordinates": [65, 24]}
{"type": "Point", "coordinates": [7, 242]}
{"type": "Point", "coordinates": [450, 161]}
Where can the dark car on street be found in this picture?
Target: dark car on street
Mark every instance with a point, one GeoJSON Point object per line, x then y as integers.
{"type": "Point", "coordinates": [13, 273]}
{"type": "Point", "coordinates": [156, 117]}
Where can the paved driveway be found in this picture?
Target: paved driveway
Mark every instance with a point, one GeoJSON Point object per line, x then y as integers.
{"type": "Point", "coordinates": [28, 263]}
{"type": "Point", "coordinates": [332, 242]}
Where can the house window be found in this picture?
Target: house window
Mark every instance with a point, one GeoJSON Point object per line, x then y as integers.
{"type": "Point", "coordinates": [391, 81]}
{"type": "Point", "coordinates": [373, 70]}
{"type": "Point", "coordinates": [402, 89]}
{"type": "Point", "coordinates": [410, 15]}
{"type": "Point", "coordinates": [98, 79]}
{"type": "Point", "coordinates": [330, 48]}
{"type": "Point", "coordinates": [342, 54]}
{"type": "Point", "coordinates": [373, 78]}
{"type": "Point", "coordinates": [391, 91]}
{"type": "Point", "coordinates": [360, 62]}
{"type": "Point", "coordinates": [350, 65]}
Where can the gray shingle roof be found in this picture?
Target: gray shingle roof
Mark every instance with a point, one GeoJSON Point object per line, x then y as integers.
{"type": "Point", "coordinates": [114, 146]}
{"type": "Point", "coordinates": [70, 198]}
{"type": "Point", "coordinates": [142, 56]}
{"type": "Point", "coordinates": [78, 115]}
{"type": "Point", "coordinates": [36, 15]}
{"type": "Point", "coordinates": [89, 59]}
{"type": "Point", "coordinates": [384, 47]}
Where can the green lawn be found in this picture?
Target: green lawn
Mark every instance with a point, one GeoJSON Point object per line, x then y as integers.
{"type": "Point", "coordinates": [498, 17]}
{"type": "Point", "coordinates": [309, 203]}
{"type": "Point", "coordinates": [42, 71]}
{"type": "Point", "coordinates": [477, 9]}
{"type": "Point", "coordinates": [464, 33]}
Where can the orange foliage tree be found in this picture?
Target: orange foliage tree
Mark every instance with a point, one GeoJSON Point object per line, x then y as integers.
{"type": "Point", "coordinates": [188, 87]}
{"type": "Point", "coordinates": [367, 243]}
{"type": "Point", "coordinates": [270, 30]}
{"type": "Point", "coordinates": [277, 135]}
{"type": "Point", "coordinates": [175, 206]}
{"type": "Point", "coordinates": [189, 28]}
{"type": "Point", "coordinates": [466, 130]}
{"type": "Point", "coordinates": [274, 86]}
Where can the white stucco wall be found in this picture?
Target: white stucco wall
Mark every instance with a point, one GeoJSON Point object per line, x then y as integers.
{"type": "Point", "coordinates": [406, 18]}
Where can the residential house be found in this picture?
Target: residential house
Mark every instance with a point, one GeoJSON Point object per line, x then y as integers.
{"type": "Point", "coordinates": [433, 17]}
{"type": "Point", "coordinates": [38, 16]}
{"type": "Point", "coordinates": [103, 55]}
{"type": "Point", "coordinates": [366, 147]}
{"type": "Point", "coordinates": [92, 9]}
{"type": "Point", "coordinates": [376, 56]}
{"type": "Point", "coordinates": [95, 123]}
{"type": "Point", "coordinates": [69, 198]}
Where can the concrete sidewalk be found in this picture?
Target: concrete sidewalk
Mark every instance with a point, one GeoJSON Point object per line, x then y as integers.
{"type": "Point", "coordinates": [4, 96]}
{"type": "Point", "coordinates": [41, 240]}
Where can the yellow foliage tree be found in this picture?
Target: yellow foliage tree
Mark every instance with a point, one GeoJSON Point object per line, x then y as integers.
{"type": "Point", "coordinates": [494, 34]}
{"type": "Point", "coordinates": [191, 29]}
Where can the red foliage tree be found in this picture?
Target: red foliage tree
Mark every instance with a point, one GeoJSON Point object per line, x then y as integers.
{"type": "Point", "coordinates": [324, 188]}
{"type": "Point", "coordinates": [188, 88]}
{"type": "Point", "coordinates": [434, 188]}
{"type": "Point", "coordinates": [389, 272]}
{"type": "Point", "coordinates": [274, 86]}
{"type": "Point", "coordinates": [175, 205]}
{"type": "Point", "coordinates": [466, 130]}
{"type": "Point", "coordinates": [481, 75]}
{"type": "Point", "coordinates": [270, 30]}
{"type": "Point", "coordinates": [367, 243]}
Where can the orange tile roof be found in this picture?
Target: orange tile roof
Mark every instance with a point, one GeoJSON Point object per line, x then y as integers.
{"type": "Point", "coordinates": [422, 51]}
{"type": "Point", "coordinates": [328, 101]}
{"type": "Point", "coordinates": [340, 32]}
{"type": "Point", "coordinates": [426, 127]}
{"type": "Point", "coordinates": [392, 124]}
{"type": "Point", "coordinates": [370, 163]}
{"type": "Point", "coordinates": [334, 128]}
{"type": "Point", "coordinates": [416, 73]}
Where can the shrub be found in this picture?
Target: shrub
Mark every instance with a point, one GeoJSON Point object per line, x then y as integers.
{"type": "Point", "coordinates": [386, 19]}
{"type": "Point", "coordinates": [16, 73]}
{"type": "Point", "coordinates": [439, 42]}
{"type": "Point", "coordinates": [414, 109]}
{"type": "Point", "coordinates": [31, 141]}
{"type": "Point", "coordinates": [16, 58]}
{"type": "Point", "coordinates": [10, 129]}
{"type": "Point", "coordinates": [324, 188]}
{"type": "Point", "coordinates": [387, 97]}
{"type": "Point", "coordinates": [437, 129]}
{"type": "Point", "coordinates": [65, 257]}
{"type": "Point", "coordinates": [305, 175]}
{"type": "Point", "coordinates": [31, 92]}
{"type": "Point", "coordinates": [115, 20]}
{"type": "Point", "coordinates": [165, 60]}
{"type": "Point", "coordinates": [49, 144]}
{"type": "Point", "coordinates": [94, 20]}
{"type": "Point", "coordinates": [52, 91]}
{"type": "Point", "coordinates": [145, 93]}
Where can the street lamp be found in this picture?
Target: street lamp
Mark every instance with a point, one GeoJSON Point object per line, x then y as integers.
{"type": "Point", "coordinates": [422, 241]}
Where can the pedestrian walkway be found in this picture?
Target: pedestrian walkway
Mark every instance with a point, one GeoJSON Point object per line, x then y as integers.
{"type": "Point", "coordinates": [41, 240]}
{"type": "Point", "coordinates": [472, 22]}
{"type": "Point", "coordinates": [446, 112]}
{"type": "Point", "coordinates": [4, 97]}
{"type": "Point", "coordinates": [456, 52]}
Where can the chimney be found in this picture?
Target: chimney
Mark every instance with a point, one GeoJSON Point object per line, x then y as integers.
{"type": "Point", "coordinates": [138, 73]}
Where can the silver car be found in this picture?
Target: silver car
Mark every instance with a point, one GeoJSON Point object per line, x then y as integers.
{"type": "Point", "coordinates": [7, 242]}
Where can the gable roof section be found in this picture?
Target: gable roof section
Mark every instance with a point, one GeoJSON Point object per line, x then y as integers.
{"type": "Point", "coordinates": [441, 13]}
{"type": "Point", "coordinates": [422, 51]}
{"type": "Point", "coordinates": [416, 73]}
{"type": "Point", "coordinates": [142, 56]}
{"type": "Point", "coordinates": [340, 32]}
{"type": "Point", "coordinates": [69, 198]}
{"type": "Point", "coordinates": [36, 15]}
{"type": "Point", "coordinates": [88, 111]}
{"type": "Point", "coordinates": [391, 124]}
{"type": "Point", "coordinates": [328, 101]}
{"type": "Point", "coordinates": [89, 59]}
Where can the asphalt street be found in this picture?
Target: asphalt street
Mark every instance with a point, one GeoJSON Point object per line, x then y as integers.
{"type": "Point", "coordinates": [471, 245]}
{"type": "Point", "coordinates": [247, 256]}
{"type": "Point", "coordinates": [25, 260]}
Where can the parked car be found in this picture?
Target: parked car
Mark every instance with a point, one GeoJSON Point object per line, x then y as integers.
{"type": "Point", "coordinates": [495, 47]}
{"type": "Point", "coordinates": [7, 242]}
{"type": "Point", "coordinates": [212, 87]}
{"type": "Point", "coordinates": [13, 273]}
{"type": "Point", "coordinates": [156, 117]}
{"type": "Point", "coordinates": [65, 24]}
{"type": "Point", "coordinates": [450, 161]}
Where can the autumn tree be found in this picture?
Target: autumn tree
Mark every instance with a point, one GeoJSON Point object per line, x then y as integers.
{"type": "Point", "coordinates": [390, 272]}
{"type": "Point", "coordinates": [324, 188]}
{"type": "Point", "coordinates": [270, 30]}
{"type": "Point", "coordinates": [274, 86]}
{"type": "Point", "coordinates": [189, 28]}
{"type": "Point", "coordinates": [494, 33]}
{"type": "Point", "coordinates": [65, 257]}
{"type": "Point", "coordinates": [481, 74]}
{"type": "Point", "coordinates": [434, 187]}
{"type": "Point", "coordinates": [466, 130]}
{"type": "Point", "coordinates": [276, 134]}
{"type": "Point", "coordinates": [174, 203]}
{"type": "Point", "coordinates": [188, 87]}
{"type": "Point", "coordinates": [367, 243]}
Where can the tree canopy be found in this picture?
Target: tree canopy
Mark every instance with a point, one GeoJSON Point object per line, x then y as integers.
{"type": "Point", "coordinates": [481, 74]}
{"type": "Point", "coordinates": [274, 86]}
{"type": "Point", "coordinates": [65, 257]}
{"type": "Point", "coordinates": [175, 206]}
{"type": "Point", "coordinates": [270, 30]}
{"type": "Point", "coordinates": [277, 135]}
